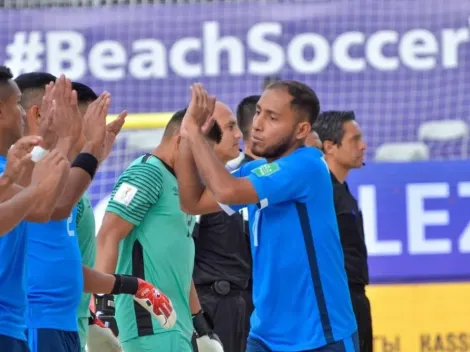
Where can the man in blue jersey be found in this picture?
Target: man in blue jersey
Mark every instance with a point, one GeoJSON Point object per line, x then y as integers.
{"type": "Point", "coordinates": [56, 276]}
{"type": "Point", "coordinates": [300, 290]}
{"type": "Point", "coordinates": [13, 243]}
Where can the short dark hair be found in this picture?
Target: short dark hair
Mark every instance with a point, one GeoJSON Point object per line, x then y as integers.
{"type": "Point", "coordinates": [5, 77]}
{"type": "Point", "coordinates": [329, 125]}
{"type": "Point", "coordinates": [84, 93]}
{"type": "Point", "coordinates": [173, 126]}
{"type": "Point", "coordinates": [304, 100]}
{"type": "Point", "coordinates": [34, 80]}
{"type": "Point", "coordinates": [245, 112]}
{"type": "Point", "coordinates": [32, 85]}
{"type": "Point", "coordinates": [5, 74]}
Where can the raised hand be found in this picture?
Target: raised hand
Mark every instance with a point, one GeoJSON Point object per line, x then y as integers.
{"type": "Point", "coordinates": [200, 109]}
{"type": "Point", "coordinates": [112, 130]}
{"type": "Point", "coordinates": [47, 172]}
{"type": "Point", "coordinates": [19, 155]}
{"type": "Point", "coordinates": [45, 128]}
{"type": "Point", "coordinates": [67, 120]}
{"type": "Point", "coordinates": [95, 122]}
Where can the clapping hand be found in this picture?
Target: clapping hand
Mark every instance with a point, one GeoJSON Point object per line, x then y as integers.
{"type": "Point", "coordinates": [199, 112]}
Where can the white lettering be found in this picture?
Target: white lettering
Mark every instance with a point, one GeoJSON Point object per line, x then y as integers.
{"type": "Point", "coordinates": [305, 53]}
{"type": "Point", "coordinates": [463, 190]}
{"type": "Point", "coordinates": [296, 51]}
{"type": "Point", "coordinates": [65, 54]}
{"type": "Point", "coordinates": [214, 46]}
{"type": "Point", "coordinates": [274, 53]}
{"type": "Point", "coordinates": [70, 230]}
{"type": "Point", "coordinates": [452, 39]}
{"type": "Point", "coordinates": [418, 49]}
{"type": "Point", "coordinates": [374, 50]}
{"type": "Point", "coordinates": [341, 56]}
{"type": "Point", "coordinates": [178, 61]}
{"type": "Point", "coordinates": [150, 61]}
{"type": "Point", "coordinates": [368, 203]}
{"type": "Point", "coordinates": [419, 218]}
{"type": "Point", "coordinates": [107, 60]}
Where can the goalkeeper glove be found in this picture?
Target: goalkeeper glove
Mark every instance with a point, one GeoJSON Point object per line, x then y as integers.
{"type": "Point", "coordinates": [207, 340]}
{"type": "Point", "coordinates": [100, 337]}
{"type": "Point", "coordinates": [149, 297]}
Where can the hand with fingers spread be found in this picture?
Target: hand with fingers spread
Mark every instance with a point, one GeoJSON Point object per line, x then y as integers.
{"type": "Point", "coordinates": [95, 124]}
{"type": "Point", "coordinates": [67, 120]}
{"type": "Point", "coordinates": [112, 130]}
{"type": "Point", "coordinates": [48, 172]}
{"type": "Point", "coordinates": [200, 109]}
{"type": "Point", "coordinates": [18, 156]}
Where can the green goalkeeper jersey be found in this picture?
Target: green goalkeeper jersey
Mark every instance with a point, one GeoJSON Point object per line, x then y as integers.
{"type": "Point", "coordinates": [87, 244]}
{"type": "Point", "coordinates": [159, 248]}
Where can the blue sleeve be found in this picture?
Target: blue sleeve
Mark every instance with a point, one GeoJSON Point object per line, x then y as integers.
{"type": "Point", "coordinates": [242, 171]}
{"type": "Point", "coordinates": [288, 179]}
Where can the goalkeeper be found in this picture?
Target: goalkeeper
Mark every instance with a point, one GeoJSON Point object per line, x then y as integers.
{"type": "Point", "coordinates": [144, 233]}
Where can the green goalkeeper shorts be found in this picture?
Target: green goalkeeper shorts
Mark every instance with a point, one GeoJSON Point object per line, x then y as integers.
{"type": "Point", "coordinates": [171, 341]}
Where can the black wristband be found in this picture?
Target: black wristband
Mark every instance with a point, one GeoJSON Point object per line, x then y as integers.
{"type": "Point", "coordinates": [87, 162]}
{"type": "Point", "coordinates": [125, 285]}
{"type": "Point", "coordinates": [203, 324]}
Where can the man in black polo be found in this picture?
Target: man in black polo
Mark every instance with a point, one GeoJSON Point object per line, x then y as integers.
{"type": "Point", "coordinates": [344, 150]}
{"type": "Point", "coordinates": [222, 270]}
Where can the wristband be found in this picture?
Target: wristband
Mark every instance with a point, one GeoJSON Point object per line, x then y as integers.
{"type": "Point", "coordinates": [125, 284]}
{"type": "Point", "coordinates": [38, 153]}
{"type": "Point", "coordinates": [203, 324]}
{"type": "Point", "coordinates": [87, 162]}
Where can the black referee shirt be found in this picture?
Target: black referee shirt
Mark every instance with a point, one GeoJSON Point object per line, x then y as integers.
{"type": "Point", "coordinates": [352, 234]}
{"type": "Point", "coordinates": [222, 249]}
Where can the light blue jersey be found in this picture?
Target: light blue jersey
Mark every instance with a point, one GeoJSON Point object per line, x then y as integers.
{"type": "Point", "coordinates": [12, 279]}
{"type": "Point", "coordinates": [300, 289]}
{"type": "Point", "coordinates": [55, 277]}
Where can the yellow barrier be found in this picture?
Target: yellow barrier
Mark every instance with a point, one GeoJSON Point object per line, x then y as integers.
{"type": "Point", "coordinates": [421, 318]}
{"type": "Point", "coordinates": [144, 120]}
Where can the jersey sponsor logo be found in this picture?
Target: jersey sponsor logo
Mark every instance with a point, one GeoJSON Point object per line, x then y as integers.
{"type": "Point", "coordinates": [266, 169]}
{"type": "Point", "coordinates": [125, 194]}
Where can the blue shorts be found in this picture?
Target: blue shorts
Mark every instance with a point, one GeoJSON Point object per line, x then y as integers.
{"type": "Point", "coordinates": [45, 340]}
{"type": "Point", "coordinates": [351, 344]}
{"type": "Point", "coordinates": [13, 345]}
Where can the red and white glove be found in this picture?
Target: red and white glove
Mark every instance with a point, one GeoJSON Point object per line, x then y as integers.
{"type": "Point", "coordinates": [156, 303]}
{"type": "Point", "coordinates": [101, 338]}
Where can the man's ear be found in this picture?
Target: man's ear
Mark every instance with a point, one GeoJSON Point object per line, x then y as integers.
{"type": "Point", "coordinates": [33, 118]}
{"type": "Point", "coordinates": [303, 130]}
{"type": "Point", "coordinates": [328, 147]}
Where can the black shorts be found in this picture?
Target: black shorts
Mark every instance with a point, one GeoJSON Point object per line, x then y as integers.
{"type": "Point", "coordinates": [10, 344]}
{"type": "Point", "coordinates": [52, 340]}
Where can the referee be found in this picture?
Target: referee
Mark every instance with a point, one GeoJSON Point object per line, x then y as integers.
{"type": "Point", "coordinates": [344, 150]}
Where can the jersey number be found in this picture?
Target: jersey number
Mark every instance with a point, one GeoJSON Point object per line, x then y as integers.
{"type": "Point", "coordinates": [70, 231]}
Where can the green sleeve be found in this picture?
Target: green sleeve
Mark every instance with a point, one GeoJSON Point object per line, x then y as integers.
{"type": "Point", "coordinates": [138, 188]}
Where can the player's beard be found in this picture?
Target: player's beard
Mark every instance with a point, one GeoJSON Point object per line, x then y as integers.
{"type": "Point", "coordinates": [274, 151]}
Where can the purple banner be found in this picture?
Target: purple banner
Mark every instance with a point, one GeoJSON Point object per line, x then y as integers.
{"type": "Point", "coordinates": [416, 220]}
{"type": "Point", "coordinates": [396, 63]}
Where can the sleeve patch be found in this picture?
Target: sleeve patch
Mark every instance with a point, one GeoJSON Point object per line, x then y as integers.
{"type": "Point", "coordinates": [266, 169]}
{"type": "Point", "coordinates": [125, 194]}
